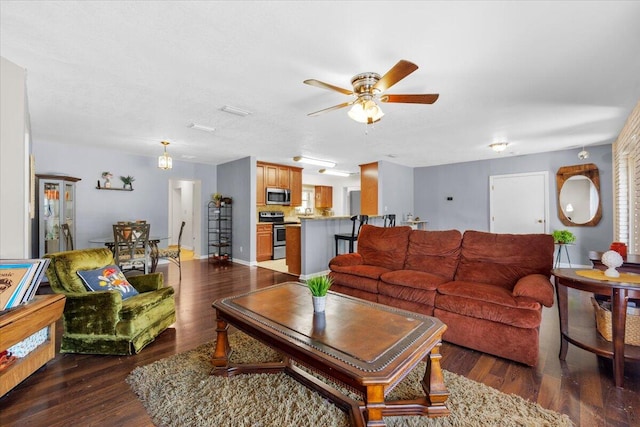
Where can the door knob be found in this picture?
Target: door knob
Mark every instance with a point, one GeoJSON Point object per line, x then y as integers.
{"type": "Point", "coordinates": [539, 221]}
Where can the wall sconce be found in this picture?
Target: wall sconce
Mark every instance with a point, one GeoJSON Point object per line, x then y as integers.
{"type": "Point", "coordinates": [499, 146]}
{"type": "Point", "coordinates": [317, 162]}
{"type": "Point", "coordinates": [164, 160]}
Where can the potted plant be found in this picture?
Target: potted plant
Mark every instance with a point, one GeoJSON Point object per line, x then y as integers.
{"type": "Point", "coordinates": [217, 198]}
{"type": "Point", "coordinates": [319, 286]}
{"type": "Point", "coordinates": [563, 237]}
{"type": "Point", "coordinates": [127, 181]}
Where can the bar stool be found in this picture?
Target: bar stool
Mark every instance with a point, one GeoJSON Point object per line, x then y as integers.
{"type": "Point", "coordinates": [390, 220]}
{"type": "Point", "coordinates": [353, 236]}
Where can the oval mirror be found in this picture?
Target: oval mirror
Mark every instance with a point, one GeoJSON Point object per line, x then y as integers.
{"type": "Point", "coordinates": [579, 195]}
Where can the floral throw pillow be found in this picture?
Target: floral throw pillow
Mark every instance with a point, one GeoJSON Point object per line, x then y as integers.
{"type": "Point", "coordinates": [106, 279]}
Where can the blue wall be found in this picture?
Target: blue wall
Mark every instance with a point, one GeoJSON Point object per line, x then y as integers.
{"type": "Point", "coordinates": [97, 210]}
{"type": "Point", "coordinates": [468, 184]}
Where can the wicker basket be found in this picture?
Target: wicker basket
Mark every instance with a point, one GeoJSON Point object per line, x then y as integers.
{"type": "Point", "coordinates": [603, 323]}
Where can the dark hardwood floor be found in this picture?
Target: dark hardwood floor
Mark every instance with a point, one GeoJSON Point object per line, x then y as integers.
{"type": "Point", "coordinates": [86, 390]}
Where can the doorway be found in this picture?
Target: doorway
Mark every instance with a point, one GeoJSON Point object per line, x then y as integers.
{"type": "Point", "coordinates": [184, 205]}
{"type": "Point", "coordinates": [519, 203]}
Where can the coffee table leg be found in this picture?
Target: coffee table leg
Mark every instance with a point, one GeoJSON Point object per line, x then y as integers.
{"type": "Point", "coordinates": [375, 406]}
{"type": "Point", "coordinates": [433, 384]}
{"type": "Point", "coordinates": [220, 357]}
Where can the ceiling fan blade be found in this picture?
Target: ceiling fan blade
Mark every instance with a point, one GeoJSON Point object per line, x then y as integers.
{"type": "Point", "coordinates": [398, 72]}
{"type": "Point", "coordinates": [323, 85]}
{"type": "Point", "coordinates": [335, 107]}
{"type": "Point", "coordinates": [411, 99]}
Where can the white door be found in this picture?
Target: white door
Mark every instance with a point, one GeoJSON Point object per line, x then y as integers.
{"type": "Point", "coordinates": [518, 203]}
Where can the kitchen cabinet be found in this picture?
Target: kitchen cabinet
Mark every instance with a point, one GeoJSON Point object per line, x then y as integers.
{"type": "Point", "coordinates": [264, 242]}
{"type": "Point", "coordinates": [278, 176]}
{"type": "Point", "coordinates": [284, 178]}
{"type": "Point", "coordinates": [294, 251]}
{"type": "Point", "coordinates": [324, 196]}
{"type": "Point", "coordinates": [296, 187]}
{"type": "Point", "coordinates": [369, 189]}
{"type": "Point", "coordinates": [56, 206]}
{"type": "Point", "coordinates": [260, 187]}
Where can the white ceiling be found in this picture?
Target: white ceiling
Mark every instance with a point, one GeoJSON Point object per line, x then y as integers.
{"type": "Point", "coordinates": [543, 76]}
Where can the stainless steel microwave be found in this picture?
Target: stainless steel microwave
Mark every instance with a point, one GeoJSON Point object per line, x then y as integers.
{"type": "Point", "coordinates": [278, 196]}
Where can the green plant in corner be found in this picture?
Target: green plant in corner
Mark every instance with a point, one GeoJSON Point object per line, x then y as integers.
{"type": "Point", "coordinates": [319, 286]}
{"type": "Point", "coordinates": [563, 236]}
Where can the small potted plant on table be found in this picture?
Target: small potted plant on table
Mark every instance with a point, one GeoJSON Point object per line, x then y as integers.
{"type": "Point", "coordinates": [319, 286]}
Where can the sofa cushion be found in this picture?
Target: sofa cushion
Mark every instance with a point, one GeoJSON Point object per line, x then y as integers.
{"type": "Point", "coordinates": [107, 278]}
{"type": "Point", "coordinates": [413, 279]}
{"type": "Point", "coordinates": [484, 301]}
{"type": "Point", "coordinates": [420, 296]}
{"type": "Point", "coordinates": [502, 259]}
{"type": "Point", "coordinates": [383, 247]}
{"type": "Point", "coordinates": [370, 271]}
{"type": "Point", "coordinates": [437, 252]}
{"type": "Point", "coordinates": [356, 282]}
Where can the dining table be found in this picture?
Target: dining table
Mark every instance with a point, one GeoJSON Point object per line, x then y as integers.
{"type": "Point", "coordinates": [154, 240]}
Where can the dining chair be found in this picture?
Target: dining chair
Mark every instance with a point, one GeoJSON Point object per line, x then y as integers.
{"type": "Point", "coordinates": [353, 236]}
{"type": "Point", "coordinates": [172, 253]}
{"type": "Point", "coordinates": [68, 238]}
{"type": "Point", "coordinates": [131, 246]}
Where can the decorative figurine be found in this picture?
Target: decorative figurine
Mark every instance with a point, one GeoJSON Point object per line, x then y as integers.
{"type": "Point", "coordinates": [613, 260]}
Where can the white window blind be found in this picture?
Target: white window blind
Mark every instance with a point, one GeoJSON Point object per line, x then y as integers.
{"type": "Point", "coordinates": [626, 175]}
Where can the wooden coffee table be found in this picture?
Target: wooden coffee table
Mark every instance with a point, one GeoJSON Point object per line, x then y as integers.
{"type": "Point", "coordinates": [367, 347]}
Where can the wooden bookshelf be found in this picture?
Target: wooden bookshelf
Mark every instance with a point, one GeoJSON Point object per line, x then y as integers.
{"type": "Point", "coordinates": [21, 322]}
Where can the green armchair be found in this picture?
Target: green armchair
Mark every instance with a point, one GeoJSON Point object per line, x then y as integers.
{"type": "Point", "coordinates": [101, 322]}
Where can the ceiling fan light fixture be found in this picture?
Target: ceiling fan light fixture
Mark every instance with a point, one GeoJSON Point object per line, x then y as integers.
{"type": "Point", "coordinates": [366, 111]}
{"type": "Point", "coordinates": [334, 172]}
{"type": "Point", "coordinates": [499, 147]}
{"type": "Point", "coordinates": [164, 160]}
{"type": "Point", "coordinates": [316, 162]}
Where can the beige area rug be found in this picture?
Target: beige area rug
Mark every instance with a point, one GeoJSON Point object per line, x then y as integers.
{"type": "Point", "coordinates": [178, 391]}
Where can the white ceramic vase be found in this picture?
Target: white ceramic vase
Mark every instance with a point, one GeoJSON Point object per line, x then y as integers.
{"type": "Point", "coordinates": [319, 303]}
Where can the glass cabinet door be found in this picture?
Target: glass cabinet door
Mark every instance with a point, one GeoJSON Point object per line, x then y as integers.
{"type": "Point", "coordinates": [56, 207]}
{"type": "Point", "coordinates": [51, 217]}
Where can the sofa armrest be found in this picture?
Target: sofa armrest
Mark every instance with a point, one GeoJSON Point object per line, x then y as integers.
{"type": "Point", "coordinates": [345, 260]}
{"type": "Point", "coordinates": [537, 287]}
{"type": "Point", "coordinates": [147, 282]}
{"type": "Point", "coordinates": [92, 312]}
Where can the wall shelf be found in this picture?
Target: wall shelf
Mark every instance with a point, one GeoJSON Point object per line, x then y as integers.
{"type": "Point", "coordinates": [114, 189]}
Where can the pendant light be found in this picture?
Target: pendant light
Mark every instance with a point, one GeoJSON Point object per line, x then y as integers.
{"type": "Point", "coordinates": [164, 160]}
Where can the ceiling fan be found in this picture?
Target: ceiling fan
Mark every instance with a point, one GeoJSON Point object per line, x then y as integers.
{"type": "Point", "coordinates": [369, 88]}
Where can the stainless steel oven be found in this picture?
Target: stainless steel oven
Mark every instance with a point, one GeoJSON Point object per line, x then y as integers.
{"type": "Point", "coordinates": [279, 231]}
{"type": "Point", "coordinates": [279, 241]}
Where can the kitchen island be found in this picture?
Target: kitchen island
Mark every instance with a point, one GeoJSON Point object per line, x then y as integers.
{"type": "Point", "coordinates": [317, 242]}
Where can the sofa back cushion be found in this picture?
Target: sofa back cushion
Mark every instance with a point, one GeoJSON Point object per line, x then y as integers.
{"type": "Point", "coordinates": [502, 259]}
{"type": "Point", "coordinates": [383, 247]}
{"type": "Point", "coordinates": [63, 269]}
{"type": "Point", "coordinates": [436, 252]}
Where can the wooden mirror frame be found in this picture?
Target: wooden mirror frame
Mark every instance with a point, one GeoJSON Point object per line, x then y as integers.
{"type": "Point", "coordinates": [589, 170]}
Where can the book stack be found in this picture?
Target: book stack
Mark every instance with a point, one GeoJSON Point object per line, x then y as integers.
{"type": "Point", "coordinates": [19, 280]}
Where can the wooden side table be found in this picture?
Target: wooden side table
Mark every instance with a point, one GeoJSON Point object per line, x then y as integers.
{"type": "Point", "coordinates": [18, 324]}
{"type": "Point", "coordinates": [590, 339]}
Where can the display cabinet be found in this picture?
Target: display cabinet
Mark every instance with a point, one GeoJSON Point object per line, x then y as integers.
{"type": "Point", "coordinates": [56, 206]}
{"type": "Point", "coordinates": [220, 220]}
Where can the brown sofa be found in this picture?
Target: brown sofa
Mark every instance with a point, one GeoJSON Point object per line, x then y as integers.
{"type": "Point", "coordinates": [488, 288]}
